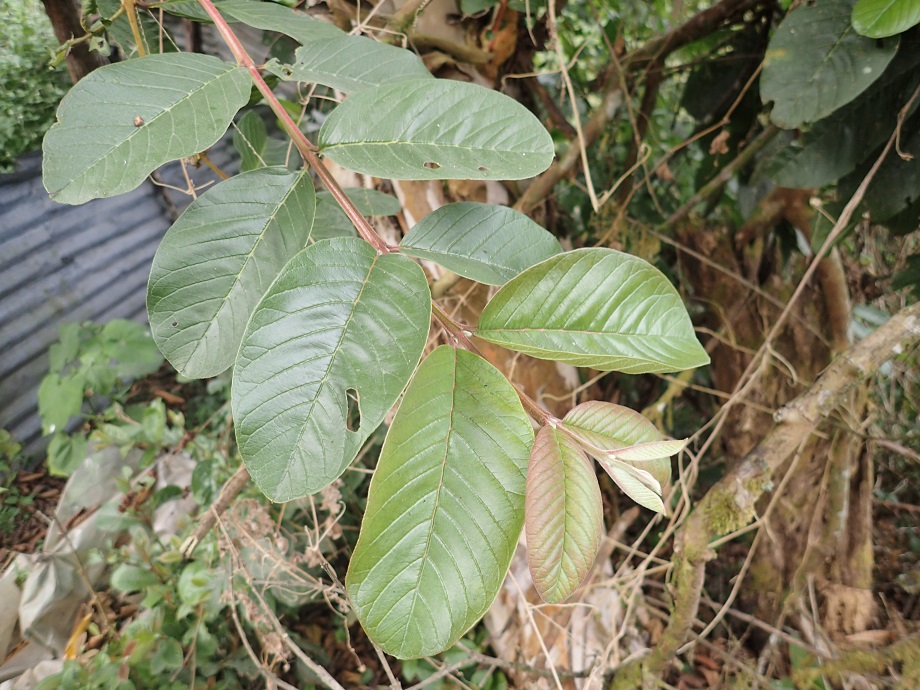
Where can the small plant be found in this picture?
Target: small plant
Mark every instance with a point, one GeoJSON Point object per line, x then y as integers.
{"type": "Point", "coordinates": [11, 499]}
{"type": "Point", "coordinates": [325, 330]}
{"type": "Point", "coordinates": [90, 361]}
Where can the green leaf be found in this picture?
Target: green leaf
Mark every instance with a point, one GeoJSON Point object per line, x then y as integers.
{"type": "Point", "coordinates": [564, 515]}
{"type": "Point", "coordinates": [351, 63]}
{"type": "Point", "coordinates": [270, 16]}
{"type": "Point", "coordinates": [128, 579]}
{"type": "Point", "coordinates": [433, 129]}
{"type": "Point", "coordinates": [127, 350]}
{"type": "Point", "coordinates": [257, 150]}
{"type": "Point", "coordinates": [835, 145]}
{"type": "Point", "coordinates": [595, 308]}
{"type": "Point", "coordinates": [59, 399]}
{"type": "Point", "coordinates": [218, 259]}
{"type": "Point", "coordinates": [486, 243]}
{"type": "Point", "coordinates": [168, 656]}
{"type": "Point", "coordinates": [328, 55]}
{"type": "Point", "coordinates": [121, 122]}
{"type": "Point", "coordinates": [370, 202]}
{"type": "Point", "coordinates": [66, 453]}
{"type": "Point", "coordinates": [816, 63]}
{"type": "Point", "coordinates": [331, 220]}
{"type": "Point", "coordinates": [445, 507]}
{"type": "Point", "coordinates": [327, 329]}
{"type": "Point", "coordinates": [883, 18]}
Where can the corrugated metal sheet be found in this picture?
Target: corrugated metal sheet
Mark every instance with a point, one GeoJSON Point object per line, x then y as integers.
{"type": "Point", "coordinates": [60, 264]}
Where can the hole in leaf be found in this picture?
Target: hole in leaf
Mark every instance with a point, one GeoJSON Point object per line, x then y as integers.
{"type": "Point", "coordinates": [431, 165]}
{"type": "Point", "coordinates": [353, 413]}
{"type": "Point", "coordinates": [483, 168]}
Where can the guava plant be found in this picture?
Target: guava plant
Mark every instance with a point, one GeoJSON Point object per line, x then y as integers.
{"type": "Point", "coordinates": [325, 326]}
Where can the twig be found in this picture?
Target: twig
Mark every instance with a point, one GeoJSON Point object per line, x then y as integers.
{"type": "Point", "coordinates": [314, 667]}
{"type": "Point", "coordinates": [230, 491]}
{"type": "Point", "coordinates": [306, 149]}
{"type": "Point", "coordinates": [576, 118]}
{"type": "Point", "coordinates": [394, 684]}
{"type": "Point", "coordinates": [734, 496]}
{"type": "Point", "coordinates": [701, 24]}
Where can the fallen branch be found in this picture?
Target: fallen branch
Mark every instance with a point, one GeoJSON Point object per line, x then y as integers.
{"type": "Point", "coordinates": [230, 491]}
{"type": "Point", "coordinates": [729, 505]}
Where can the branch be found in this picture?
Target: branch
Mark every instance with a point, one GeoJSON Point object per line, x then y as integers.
{"type": "Point", "coordinates": [729, 505]}
{"type": "Point", "coordinates": [306, 149]}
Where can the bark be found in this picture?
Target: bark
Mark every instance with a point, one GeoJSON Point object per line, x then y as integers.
{"type": "Point", "coordinates": [65, 17]}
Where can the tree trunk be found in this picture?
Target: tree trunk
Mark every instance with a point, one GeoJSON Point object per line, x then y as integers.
{"type": "Point", "coordinates": [65, 18]}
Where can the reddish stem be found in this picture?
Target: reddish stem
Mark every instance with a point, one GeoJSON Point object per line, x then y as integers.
{"type": "Point", "coordinates": [309, 151]}
{"type": "Point", "coordinates": [304, 146]}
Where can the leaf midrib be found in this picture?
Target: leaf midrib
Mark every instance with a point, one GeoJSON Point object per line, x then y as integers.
{"type": "Point", "coordinates": [236, 281]}
{"type": "Point", "coordinates": [437, 497]}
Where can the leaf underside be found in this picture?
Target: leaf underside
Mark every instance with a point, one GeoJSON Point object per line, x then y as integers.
{"type": "Point", "coordinates": [486, 243]}
{"type": "Point", "coordinates": [435, 129]}
{"type": "Point", "coordinates": [218, 259]}
{"type": "Point", "coordinates": [445, 507]}
{"type": "Point", "coordinates": [123, 121]}
{"type": "Point", "coordinates": [327, 326]}
{"type": "Point", "coordinates": [595, 308]}
{"type": "Point", "coordinates": [351, 63]}
{"type": "Point", "coordinates": [564, 515]}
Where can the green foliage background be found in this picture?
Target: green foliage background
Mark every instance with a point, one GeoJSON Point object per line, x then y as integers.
{"type": "Point", "coordinates": [29, 88]}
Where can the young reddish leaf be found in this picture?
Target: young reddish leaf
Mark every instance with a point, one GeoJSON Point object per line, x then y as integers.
{"type": "Point", "coordinates": [627, 446]}
{"type": "Point", "coordinates": [563, 515]}
{"type": "Point", "coordinates": [654, 450]}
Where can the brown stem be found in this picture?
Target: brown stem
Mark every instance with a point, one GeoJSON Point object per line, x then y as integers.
{"type": "Point", "coordinates": [230, 491]}
{"type": "Point", "coordinates": [65, 19]}
{"type": "Point", "coordinates": [304, 146]}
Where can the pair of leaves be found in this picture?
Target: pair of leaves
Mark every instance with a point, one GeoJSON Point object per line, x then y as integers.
{"type": "Point", "coordinates": [564, 513]}
{"type": "Point", "coordinates": [328, 55]}
{"type": "Point", "coordinates": [816, 62]}
{"type": "Point", "coordinates": [123, 121]}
